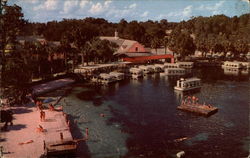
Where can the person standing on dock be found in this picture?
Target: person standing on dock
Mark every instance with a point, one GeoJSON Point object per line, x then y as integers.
{"type": "Point", "coordinates": [42, 115]}
{"type": "Point", "coordinates": [51, 107]}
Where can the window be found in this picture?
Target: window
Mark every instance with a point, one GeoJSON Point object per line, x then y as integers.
{"type": "Point", "coordinates": [136, 49]}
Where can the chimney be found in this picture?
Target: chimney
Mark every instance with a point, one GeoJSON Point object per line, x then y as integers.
{"type": "Point", "coordinates": [116, 35]}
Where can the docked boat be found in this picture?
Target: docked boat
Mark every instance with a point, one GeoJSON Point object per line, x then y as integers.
{"type": "Point", "coordinates": [95, 79]}
{"type": "Point", "coordinates": [191, 104]}
{"type": "Point", "coordinates": [136, 72]}
{"type": "Point", "coordinates": [171, 65]}
{"type": "Point", "coordinates": [106, 78]}
{"type": "Point", "coordinates": [118, 75]}
{"type": "Point", "coordinates": [146, 69]}
{"type": "Point", "coordinates": [231, 71]}
{"type": "Point", "coordinates": [232, 64]}
{"type": "Point", "coordinates": [186, 65]}
{"type": "Point", "coordinates": [156, 68]}
{"type": "Point", "coordinates": [175, 71]}
{"type": "Point", "coordinates": [160, 66]}
{"type": "Point", "coordinates": [188, 84]}
{"type": "Point", "coordinates": [245, 65]}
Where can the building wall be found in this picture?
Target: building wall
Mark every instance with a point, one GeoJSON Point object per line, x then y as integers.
{"type": "Point", "coordinates": [136, 47]}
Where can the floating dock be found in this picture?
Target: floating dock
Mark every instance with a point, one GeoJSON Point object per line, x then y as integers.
{"type": "Point", "coordinates": [58, 139]}
{"type": "Point", "coordinates": [204, 110]}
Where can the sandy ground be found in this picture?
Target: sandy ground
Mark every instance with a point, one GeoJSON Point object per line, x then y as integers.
{"type": "Point", "coordinates": [25, 122]}
{"type": "Point", "coordinates": [24, 129]}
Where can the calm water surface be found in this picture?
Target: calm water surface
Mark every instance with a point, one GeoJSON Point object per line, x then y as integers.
{"type": "Point", "coordinates": [141, 119]}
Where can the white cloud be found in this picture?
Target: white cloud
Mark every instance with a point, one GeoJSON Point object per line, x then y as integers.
{"type": "Point", "coordinates": [83, 3]}
{"type": "Point", "coordinates": [47, 5]}
{"type": "Point", "coordinates": [145, 14]}
{"type": "Point", "coordinates": [181, 14]}
{"type": "Point", "coordinates": [247, 1]}
{"type": "Point", "coordinates": [214, 7]}
{"type": "Point", "coordinates": [187, 11]}
{"type": "Point", "coordinates": [106, 3]}
{"type": "Point", "coordinates": [32, 1]}
{"type": "Point", "coordinates": [133, 6]}
{"type": "Point", "coordinates": [98, 8]}
{"type": "Point", "coordinates": [69, 6]}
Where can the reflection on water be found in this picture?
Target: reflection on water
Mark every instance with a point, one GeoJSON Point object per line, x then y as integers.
{"type": "Point", "coordinates": [141, 119]}
{"type": "Point", "coordinates": [236, 72]}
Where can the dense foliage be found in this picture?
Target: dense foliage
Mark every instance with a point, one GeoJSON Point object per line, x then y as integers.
{"type": "Point", "coordinates": [217, 33]}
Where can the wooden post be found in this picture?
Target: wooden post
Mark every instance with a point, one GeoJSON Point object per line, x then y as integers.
{"type": "Point", "coordinates": [172, 60]}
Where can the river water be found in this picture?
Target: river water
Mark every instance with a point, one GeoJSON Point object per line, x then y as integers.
{"type": "Point", "coordinates": [141, 119]}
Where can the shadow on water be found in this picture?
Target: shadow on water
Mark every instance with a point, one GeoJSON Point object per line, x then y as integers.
{"type": "Point", "coordinates": [91, 95]}
{"type": "Point", "coordinates": [212, 75]}
{"type": "Point", "coordinates": [82, 148]}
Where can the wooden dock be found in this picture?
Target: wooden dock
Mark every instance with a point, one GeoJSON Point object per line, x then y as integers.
{"type": "Point", "coordinates": [198, 109]}
{"type": "Point", "coordinates": [58, 139]}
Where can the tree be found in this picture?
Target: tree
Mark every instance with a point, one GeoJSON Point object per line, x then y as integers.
{"type": "Point", "coordinates": [182, 43]}
{"type": "Point", "coordinates": [102, 50]}
{"type": "Point", "coordinates": [135, 31]}
{"type": "Point", "coordinates": [81, 36]}
{"type": "Point", "coordinates": [157, 35]}
{"type": "Point", "coordinates": [11, 25]}
{"type": "Point", "coordinates": [65, 47]}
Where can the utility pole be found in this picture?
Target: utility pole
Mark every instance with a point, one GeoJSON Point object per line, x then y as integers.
{"type": "Point", "coordinates": [3, 4]}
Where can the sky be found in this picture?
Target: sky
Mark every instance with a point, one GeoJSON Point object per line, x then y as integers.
{"type": "Point", "coordinates": [140, 10]}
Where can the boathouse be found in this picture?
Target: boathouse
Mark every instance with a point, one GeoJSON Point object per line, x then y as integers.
{"type": "Point", "coordinates": [133, 51]}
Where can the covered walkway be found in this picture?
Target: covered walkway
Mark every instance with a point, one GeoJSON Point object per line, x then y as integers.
{"type": "Point", "coordinates": [147, 58]}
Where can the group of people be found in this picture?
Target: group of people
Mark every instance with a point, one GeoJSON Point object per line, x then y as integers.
{"type": "Point", "coordinates": [40, 107]}
{"type": "Point", "coordinates": [190, 100]}
{"type": "Point", "coordinates": [194, 101]}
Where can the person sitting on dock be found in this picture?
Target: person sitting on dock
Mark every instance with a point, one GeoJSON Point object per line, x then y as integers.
{"type": "Point", "coordinates": [51, 107]}
{"type": "Point", "coordinates": [40, 129]}
{"type": "Point", "coordinates": [209, 106]}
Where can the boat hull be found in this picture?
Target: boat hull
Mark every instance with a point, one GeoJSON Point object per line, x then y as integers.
{"type": "Point", "coordinates": [186, 89]}
{"type": "Point", "coordinates": [199, 109]}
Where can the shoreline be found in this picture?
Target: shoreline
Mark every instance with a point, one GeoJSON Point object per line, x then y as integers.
{"type": "Point", "coordinates": [23, 139]}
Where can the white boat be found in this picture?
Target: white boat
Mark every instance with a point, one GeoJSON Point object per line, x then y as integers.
{"type": "Point", "coordinates": [186, 65]}
{"type": "Point", "coordinates": [171, 65]}
{"type": "Point", "coordinates": [146, 69]}
{"type": "Point", "coordinates": [175, 71]}
{"type": "Point", "coordinates": [188, 84]}
{"type": "Point", "coordinates": [118, 75]}
{"type": "Point", "coordinates": [231, 71]}
{"type": "Point", "coordinates": [232, 64]}
{"type": "Point", "coordinates": [95, 79]}
{"type": "Point", "coordinates": [245, 65]}
{"type": "Point", "coordinates": [160, 66]}
{"type": "Point", "coordinates": [151, 68]}
{"type": "Point", "coordinates": [245, 71]}
{"type": "Point", "coordinates": [106, 78]}
{"type": "Point", "coordinates": [136, 72]}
